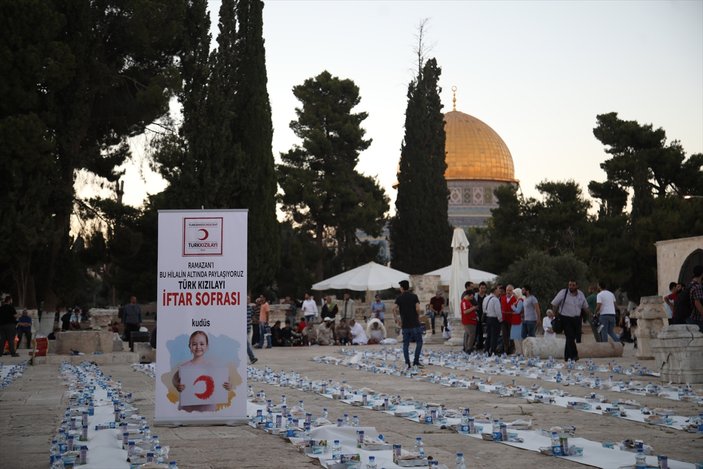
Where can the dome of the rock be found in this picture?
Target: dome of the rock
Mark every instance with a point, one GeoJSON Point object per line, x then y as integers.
{"type": "Point", "coordinates": [474, 151]}
{"type": "Point", "coordinates": [478, 162]}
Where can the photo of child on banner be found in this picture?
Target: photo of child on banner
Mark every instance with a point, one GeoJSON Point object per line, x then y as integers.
{"type": "Point", "coordinates": [203, 383]}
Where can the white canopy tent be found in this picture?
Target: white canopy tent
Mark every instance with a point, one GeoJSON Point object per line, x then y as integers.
{"type": "Point", "coordinates": [474, 275]}
{"type": "Point", "coordinates": [367, 277]}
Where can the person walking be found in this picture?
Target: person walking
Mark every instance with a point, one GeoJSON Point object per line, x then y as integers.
{"type": "Point", "coordinates": [264, 328]}
{"type": "Point", "coordinates": [407, 305]}
{"type": "Point", "coordinates": [309, 308]}
{"type": "Point", "coordinates": [605, 312]}
{"type": "Point", "coordinates": [131, 318]}
{"type": "Point", "coordinates": [569, 303]}
{"type": "Point", "coordinates": [8, 326]}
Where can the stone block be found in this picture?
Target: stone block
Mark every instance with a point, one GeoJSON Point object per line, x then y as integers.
{"type": "Point", "coordinates": [678, 353]}
{"type": "Point", "coordinates": [147, 354]}
{"type": "Point", "coordinates": [651, 319]}
{"type": "Point", "coordinates": [102, 318]}
{"type": "Point", "coordinates": [84, 341]}
{"type": "Point", "coordinates": [545, 348]}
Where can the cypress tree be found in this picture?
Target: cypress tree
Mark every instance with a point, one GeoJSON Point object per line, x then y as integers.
{"type": "Point", "coordinates": [253, 132]}
{"type": "Point", "coordinates": [420, 233]}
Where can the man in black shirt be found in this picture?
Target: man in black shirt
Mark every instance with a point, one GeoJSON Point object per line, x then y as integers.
{"type": "Point", "coordinates": [408, 305]}
{"type": "Point", "coordinates": [479, 297]}
{"type": "Point", "coordinates": [8, 324]}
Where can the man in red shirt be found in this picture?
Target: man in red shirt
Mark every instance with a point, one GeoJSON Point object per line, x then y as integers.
{"type": "Point", "coordinates": [507, 301]}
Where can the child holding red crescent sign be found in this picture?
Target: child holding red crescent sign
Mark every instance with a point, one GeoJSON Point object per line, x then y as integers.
{"type": "Point", "coordinates": [198, 378]}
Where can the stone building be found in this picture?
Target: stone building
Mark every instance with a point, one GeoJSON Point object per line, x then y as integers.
{"type": "Point", "coordinates": [676, 259]}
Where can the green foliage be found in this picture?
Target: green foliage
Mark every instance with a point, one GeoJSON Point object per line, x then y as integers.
{"type": "Point", "coordinates": [298, 252]}
{"type": "Point", "coordinates": [81, 77]}
{"type": "Point", "coordinates": [657, 174]}
{"type": "Point", "coordinates": [420, 233]}
{"type": "Point", "coordinates": [323, 194]}
{"type": "Point", "coordinates": [643, 161]}
{"type": "Point", "coordinates": [546, 274]}
{"type": "Point", "coordinates": [222, 157]}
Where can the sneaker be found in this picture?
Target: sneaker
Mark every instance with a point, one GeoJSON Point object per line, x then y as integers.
{"type": "Point", "coordinates": [419, 365]}
{"type": "Point", "coordinates": [254, 360]}
{"type": "Point", "coordinates": [15, 354]}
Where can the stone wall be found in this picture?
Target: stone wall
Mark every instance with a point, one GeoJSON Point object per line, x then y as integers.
{"type": "Point", "coordinates": [671, 255]}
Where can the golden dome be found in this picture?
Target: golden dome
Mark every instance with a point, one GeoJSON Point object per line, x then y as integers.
{"type": "Point", "coordinates": [475, 151]}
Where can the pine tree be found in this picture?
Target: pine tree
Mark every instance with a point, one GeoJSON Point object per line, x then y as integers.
{"type": "Point", "coordinates": [420, 232]}
{"type": "Point", "coordinates": [324, 195]}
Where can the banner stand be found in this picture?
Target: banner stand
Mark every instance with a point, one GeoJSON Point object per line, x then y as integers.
{"type": "Point", "coordinates": [201, 326]}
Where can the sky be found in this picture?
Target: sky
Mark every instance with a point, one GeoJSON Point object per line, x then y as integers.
{"type": "Point", "coordinates": [538, 73]}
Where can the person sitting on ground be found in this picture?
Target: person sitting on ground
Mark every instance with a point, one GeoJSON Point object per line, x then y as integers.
{"type": "Point", "coordinates": [325, 332]}
{"type": "Point", "coordinates": [376, 331]}
{"type": "Point", "coordinates": [310, 334]}
{"type": "Point", "coordinates": [65, 318]}
{"type": "Point", "coordinates": [357, 333]}
{"type": "Point", "coordinates": [24, 329]}
{"type": "Point", "coordinates": [342, 332]}
{"type": "Point", "coordinates": [75, 320]}
{"type": "Point", "coordinates": [277, 335]}
{"type": "Point", "coordinates": [300, 329]}
{"type": "Point", "coordinates": [547, 325]}
{"type": "Point", "coordinates": [287, 334]}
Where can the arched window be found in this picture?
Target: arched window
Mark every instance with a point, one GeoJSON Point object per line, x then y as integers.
{"type": "Point", "coordinates": [693, 259]}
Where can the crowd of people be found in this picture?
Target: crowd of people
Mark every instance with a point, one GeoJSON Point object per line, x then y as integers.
{"type": "Point", "coordinates": [495, 320]}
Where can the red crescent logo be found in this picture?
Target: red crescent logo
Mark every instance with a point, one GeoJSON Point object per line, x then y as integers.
{"type": "Point", "coordinates": [209, 386]}
{"type": "Point", "coordinates": [205, 234]}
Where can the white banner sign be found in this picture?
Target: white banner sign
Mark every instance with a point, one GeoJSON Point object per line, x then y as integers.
{"type": "Point", "coordinates": [201, 335]}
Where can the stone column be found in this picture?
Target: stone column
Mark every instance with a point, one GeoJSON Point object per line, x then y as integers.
{"type": "Point", "coordinates": [651, 319]}
{"type": "Point", "coordinates": [678, 352]}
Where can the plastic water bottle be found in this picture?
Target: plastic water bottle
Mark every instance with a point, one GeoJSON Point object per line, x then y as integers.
{"type": "Point", "coordinates": [355, 421]}
{"type": "Point", "coordinates": [464, 428]}
{"type": "Point", "coordinates": [172, 465]}
{"type": "Point", "coordinates": [460, 463]}
{"type": "Point", "coordinates": [336, 450]}
{"type": "Point", "coordinates": [556, 444]}
{"type": "Point", "coordinates": [496, 430]}
{"type": "Point", "coordinates": [325, 414]}
{"type": "Point", "coordinates": [372, 463]}
{"type": "Point", "coordinates": [419, 447]}
{"type": "Point", "coordinates": [640, 459]}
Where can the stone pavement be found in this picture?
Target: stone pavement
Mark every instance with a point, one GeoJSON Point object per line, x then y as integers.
{"type": "Point", "coordinates": [30, 410]}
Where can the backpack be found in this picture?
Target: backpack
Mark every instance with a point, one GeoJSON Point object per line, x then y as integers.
{"type": "Point", "coordinates": [682, 305]}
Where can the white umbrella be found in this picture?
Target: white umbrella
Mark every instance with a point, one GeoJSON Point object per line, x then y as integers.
{"type": "Point", "coordinates": [369, 276]}
{"type": "Point", "coordinates": [474, 275]}
{"type": "Point", "coordinates": [459, 269]}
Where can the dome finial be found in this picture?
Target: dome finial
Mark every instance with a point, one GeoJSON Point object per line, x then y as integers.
{"type": "Point", "coordinates": [453, 98]}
